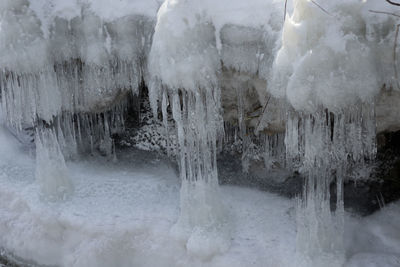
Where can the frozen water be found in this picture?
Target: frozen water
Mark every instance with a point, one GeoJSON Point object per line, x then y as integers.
{"type": "Point", "coordinates": [51, 172]}
{"type": "Point", "coordinates": [54, 60]}
{"type": "Point", "coordinates": [324, 146]}
{"type": "Point", "coordinates": [67, 66]}
{"type": "Point", "coordinates": [121, 215]}
{"type": "Point", "coordinates": [190, 85]}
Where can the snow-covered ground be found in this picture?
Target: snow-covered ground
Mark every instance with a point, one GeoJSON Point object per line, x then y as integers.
{"type": "Point", "coordinates": [121, 214]}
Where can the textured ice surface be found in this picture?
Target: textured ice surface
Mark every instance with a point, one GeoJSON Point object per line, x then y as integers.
{"type": "Point", "coordinates": [122, 213]}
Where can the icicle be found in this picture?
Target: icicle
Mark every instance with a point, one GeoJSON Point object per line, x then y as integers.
{"type": "Point", "coordinates": [199, 125]}
{"type": "Point", "coordinates": [91, 145]}
{"type": "Point", "coordinates": [328, 146]}
{"type": "Point", "coordinates": [274, 150]}
{"type": "Point", "coordinates": [164, 111]}
{"type": "Point", "coordinates": [114, 153]}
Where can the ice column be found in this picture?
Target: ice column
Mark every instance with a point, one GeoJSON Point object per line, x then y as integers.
{"type": "Point", "coordinates": [325, 146]}
{"type": "Point", "coordinates": [184, 64]}
{"type": "Point", "coordinates": [51, 171]}
{"type": "Point", "coordinates": [325, 69]}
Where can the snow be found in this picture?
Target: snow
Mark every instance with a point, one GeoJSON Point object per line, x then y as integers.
{"type": "Point", "coordinates": [188, 36]}
{"type": "Point", "coordinates": [324, 56]}
{"type": "Point", "coordinates": [121, 214]}
{"type": "Point", "coordinates": [47, 10]}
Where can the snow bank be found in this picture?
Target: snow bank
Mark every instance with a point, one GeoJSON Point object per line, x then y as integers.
{"type": "Point", "coordinates": [121, 214]}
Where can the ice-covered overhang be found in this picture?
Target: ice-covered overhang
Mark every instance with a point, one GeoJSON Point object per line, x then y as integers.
{"type": "Point", "coordinates": [85, 56]}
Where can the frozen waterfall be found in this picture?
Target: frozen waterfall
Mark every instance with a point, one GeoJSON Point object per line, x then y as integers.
{"type": "Point", "coordinates": [302, 94]}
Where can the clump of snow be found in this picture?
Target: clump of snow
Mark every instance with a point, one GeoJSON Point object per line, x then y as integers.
{"type": "Point", "coordinates": [183, 53]}
{"type": "Point", "coordinates": [22, 46]}
{"type": "Point", "coordinates": [324, 56]}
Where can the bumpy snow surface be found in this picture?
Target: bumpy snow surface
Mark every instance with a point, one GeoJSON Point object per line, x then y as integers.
{"type": "Point", "coordinates": [121, 214]}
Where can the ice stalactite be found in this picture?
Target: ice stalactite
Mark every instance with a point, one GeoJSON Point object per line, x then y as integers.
{"type": "Point", "coordinates": [243, 131]}
{"type": "Point", "coordinates": [27, 83]}
{"type": "Point", "coordinates": [199, 126]}
{"type": "Point", "coordinates": [326, 146]}
{"type": "Point", "coordinates": [184, 63]}
{"type": "Point", "coordinates": [325, 69]}
{"type": "Point", "coordinates": [83, 132]}
{"type": "Point", "coordinates": [51, 171]}
{"type": "Point", "coordinates": [274, 150]}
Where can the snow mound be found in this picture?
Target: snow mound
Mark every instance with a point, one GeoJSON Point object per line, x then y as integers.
{"type": "Point", "coordinates": [325, 54]}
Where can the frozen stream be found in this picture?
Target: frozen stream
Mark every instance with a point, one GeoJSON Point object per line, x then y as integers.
{"type": "Point", "coordinates": [121, 214]}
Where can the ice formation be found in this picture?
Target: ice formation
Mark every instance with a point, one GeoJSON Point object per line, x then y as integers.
{"type": "Point", "coordinates": [330, 126]}
{"type": "Point", "coordinates": [51, 171]}
{"type": "Point", "coordinates": [69, 62]}
{"type": "Point", "coordinates": [184, 63]}
{"type": "Point", "coordinates": [70, 67]}
{"type": "Point", "coordinates": [301, 93]}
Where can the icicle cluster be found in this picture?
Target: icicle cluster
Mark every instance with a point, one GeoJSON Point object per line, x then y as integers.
{"type": "Point", "coordinates": [325, 146]}
{"type": "Point", "coordinates": [90, 132]}
{"type": "Point", "coordinates": [184, 63]}
{"type": "Point", "coordinates": [326, 70]}
{"type": "Point", "coordinates": [79, 64]}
